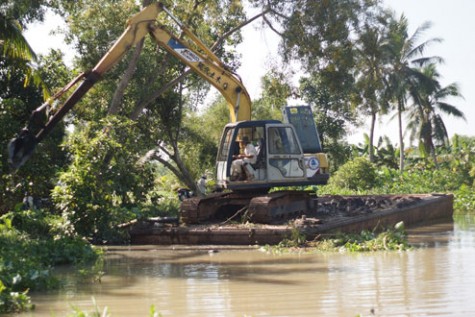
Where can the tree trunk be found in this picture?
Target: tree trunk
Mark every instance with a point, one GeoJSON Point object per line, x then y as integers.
{"type": "Point", "coordinates": [124, 81]}
{"type": "Point", "coordinates": [179, 169]}
{"type": "Point", "coordinates": [429, 145]}
{"type": "Point", "coordinates": [401, 138]}
{"type": "Point", "coordinates": [371, 137]}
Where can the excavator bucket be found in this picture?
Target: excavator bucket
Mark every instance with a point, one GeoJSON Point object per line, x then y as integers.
{"type": "Point", "coordinates": [21, 148]}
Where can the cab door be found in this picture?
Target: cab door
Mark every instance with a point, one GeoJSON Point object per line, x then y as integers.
{"type": "Point", "coordinates": [285, 160]}
{"type": "Point", "coordinates": [227, 147]}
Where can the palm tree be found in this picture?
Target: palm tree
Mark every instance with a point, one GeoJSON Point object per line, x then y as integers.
{"type": "Point", "coordinates": [404, 53]}
{"type": "Point", "coordinates": [14, 46]}
{"type": "Point", "coordinates": [12, 42]}
{"type": "Point", "coordinates": [426, 123]}
{"type": "Point", "coordinates": [371, 70]}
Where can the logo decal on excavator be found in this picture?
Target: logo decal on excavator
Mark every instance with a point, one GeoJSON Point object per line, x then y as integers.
{"type": "Point", "coordinates": [183, 51]}
{"type": "Point", "coordinates": [313, 163]}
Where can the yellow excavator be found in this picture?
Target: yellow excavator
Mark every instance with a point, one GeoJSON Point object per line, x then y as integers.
{"type": "Point", "coordinates": [287, 153]}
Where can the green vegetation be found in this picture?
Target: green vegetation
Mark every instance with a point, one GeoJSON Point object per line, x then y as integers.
{"type": "Point", "coordinates": [353, 175]}
{"type": "Point", "coordinates": [31, 244]}
{"type": "Point", "coordinates": [392, 239]}
{"type": "Point", "coordinates": [452, 174]}
{"type": "Point", "coordinates": [105, 312]}
{"type": "Point", "coordinates": [296, 240]}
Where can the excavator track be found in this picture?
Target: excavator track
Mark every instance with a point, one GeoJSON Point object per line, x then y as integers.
{"type": "Point", "coordinates": [274, 207]}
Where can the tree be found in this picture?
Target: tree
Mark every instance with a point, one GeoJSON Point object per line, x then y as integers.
{"type": "Point", "coordinates": [19, 67]}
{"type": "Point", "coordinates": [405, 51]}
{"type": "Point", "coordinates": [275, 91]}
{"type": "Point", "coordinates": [14, 17]}
{"type": "Point", "coordinates": [371, 72]}
{"type": "Point", "coordinates": [426, 124]}
{"type": "Point", "coordinates": [213, 119]}
{"type": "Point", "coordinates": [16, 104]}
{"type": "Point", "coordinates": [319, 35]}
{"type": "Point", "coordinates": [93, 197]}
{"type": "Point", "coordinates": [459, 157]}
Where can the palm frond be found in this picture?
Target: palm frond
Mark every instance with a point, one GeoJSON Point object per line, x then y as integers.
{"type": "Point", "coordinates": [451, 110]}
{"type": "Point", "coordinates": [14, 45]}
{"type": "Point", "coordinates": [451, 90]}
{"type": "Point", "coordinates": [439, 130]}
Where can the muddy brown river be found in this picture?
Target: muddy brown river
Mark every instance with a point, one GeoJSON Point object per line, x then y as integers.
{"type": "Point", "coordinates": [436, 278]}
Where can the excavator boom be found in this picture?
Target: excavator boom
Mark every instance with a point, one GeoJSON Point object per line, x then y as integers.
{"type": "Point", "coordinates": [192, 52]}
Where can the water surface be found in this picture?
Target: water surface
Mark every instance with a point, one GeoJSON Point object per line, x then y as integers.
{"type": "Point", "coordinates": [437, 278]}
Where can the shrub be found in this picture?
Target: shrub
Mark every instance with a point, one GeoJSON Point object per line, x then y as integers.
{"type": "Point", "coordinates": [358, 174]}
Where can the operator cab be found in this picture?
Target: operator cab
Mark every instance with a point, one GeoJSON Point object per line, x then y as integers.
{"type": "Point", "coordinates": [280, 160]}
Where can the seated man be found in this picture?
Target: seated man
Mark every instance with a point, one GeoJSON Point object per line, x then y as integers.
{"type": "Point", "coordinates": [240, 161]}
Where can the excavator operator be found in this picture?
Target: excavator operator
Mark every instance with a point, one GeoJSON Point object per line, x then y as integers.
{"type": "Point", "coordinates": [239, 167]}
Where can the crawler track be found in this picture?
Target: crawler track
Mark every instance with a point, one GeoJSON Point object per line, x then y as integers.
{"type": "Point", "coordinates": [266, 209]}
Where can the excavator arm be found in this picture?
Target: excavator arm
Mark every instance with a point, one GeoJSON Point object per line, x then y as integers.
{"type": "Point", "coordinates": [197, 56]}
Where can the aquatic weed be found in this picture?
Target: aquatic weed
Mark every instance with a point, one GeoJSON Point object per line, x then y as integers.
{"type": "Point", "coordinates": [394, 239]}
{"type": "Point", "coordinates": [105, 312]}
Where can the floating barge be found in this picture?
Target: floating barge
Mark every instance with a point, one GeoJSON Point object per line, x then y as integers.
{"type": "Point", "coordinates": [334, 214]}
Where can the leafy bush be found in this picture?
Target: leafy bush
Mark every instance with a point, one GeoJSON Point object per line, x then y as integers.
{"type": "Point", "coordinates": [464, 199]}
{"type": "Point", "coordinates": [358, 174]}
{"type": "Point", "coordinates": [103, 183]}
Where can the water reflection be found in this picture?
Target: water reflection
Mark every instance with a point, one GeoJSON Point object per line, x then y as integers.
{"type": "Point", "coordinates": [435, 279]}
